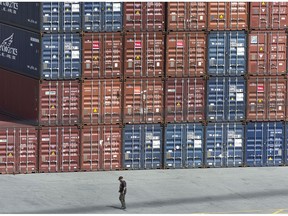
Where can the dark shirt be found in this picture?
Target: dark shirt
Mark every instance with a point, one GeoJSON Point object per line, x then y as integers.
{"type": "Point", "coordinates": [122, 186]}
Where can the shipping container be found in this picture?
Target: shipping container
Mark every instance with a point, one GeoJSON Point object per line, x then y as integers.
{"type": "Point", "coordinates": [101, 148]}
{"type": "Point", "coordinates": [50, 17]}
{"type": "Point", "coordinates": [227, 16]}
{"type": "Point", "coordinates": [227, 53]}
{"type": "Point", "coordinates": [102, 55]}
{"type": "Point", "coordinates": [142, 146]}
{"type": "Point", "coordinates": [144, 16]}
{"type": "Point", "coordinates": [266, 98]}
{"type": "Point", "coordinates": [268, 15]}
{"type": "Point", "coordinates": [39, 102]}
{"type": "Point", "coordinates": [102, 16]}
{"type": "Point", "coordinates": [143, 101]}
{"type": "Point", "coordinates": [101, 101]}
{"type": "Point", "coordinates": [224, 145]}
{"type": "Point", "coordinates": [184, 145]}
{"type": "Point", "coordinates": [185, 54]}
{"type": "Point", "coordinates": [144, 55]}
{"type": "Point", "coordinates": [50, 56]}
{"type": "Point", "coordinates": [18, 147]}
{"type": "Point", "coordinates": [59, 149]}
{"type": "Point", "coordinates": [185, 100]}
{"type": "Point", "coordinates": [186, 16]}
{"type": "Point", "coordinates": [226, 99]}
{"type": "Point", "coordinates": [267, 53]}
{"type": "Point", "coordinates": [265, 144]}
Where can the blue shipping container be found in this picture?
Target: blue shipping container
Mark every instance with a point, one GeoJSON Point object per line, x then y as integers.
{"type": "Point", "coordinates": [265, 144]}
{"type": "Point", "coordinates": [226, 98]}
{"type": "Point", "coordinates": [184, 145]}
{"type": "Point", "coordinates": [224, 144]}
{"type": "Point", "coordinates": [52, 56]}
{"type": "Point", "coordinates": [55, 17]}
{"type": "Point", "coordinates": [142, 146]}
{"type": "Point", "coordinates": [227, 53]}
{"type": "Point", "coordinates": [102, 16]}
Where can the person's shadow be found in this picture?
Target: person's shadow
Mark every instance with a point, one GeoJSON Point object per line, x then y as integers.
{"type": "Point", "coordinates": [115, 207]}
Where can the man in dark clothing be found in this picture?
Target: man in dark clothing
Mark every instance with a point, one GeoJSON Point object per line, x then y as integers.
{"type": "Point", "coordinates": [122, 191]}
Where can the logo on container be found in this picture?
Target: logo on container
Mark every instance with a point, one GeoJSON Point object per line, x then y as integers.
{"type": "Point", "coordinates": [10, 7]}
{"type": "Point", "coordinates": [7, 51]}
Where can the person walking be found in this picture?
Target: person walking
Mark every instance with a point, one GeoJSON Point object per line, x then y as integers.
{"type": "Point", "coordinates": [122, 191]}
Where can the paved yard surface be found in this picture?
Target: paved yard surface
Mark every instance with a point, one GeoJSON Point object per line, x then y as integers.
{"type": "Point", "coordinates": [191, 191]}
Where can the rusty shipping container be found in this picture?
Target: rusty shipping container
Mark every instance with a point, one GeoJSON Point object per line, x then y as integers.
{"type": "Point", "coordinates": [18, 147]}
{"type": "Point", "coordinates": [266, 98]}
{"type": "Point", "coordinates": [102, 55]}
{"type": "Point", "coordinates": [267, 53]}
{"type": "Point", "coordinates": [227, 16]}
{"type": "Point", "coordinates": [268, 15]}
{"type": "Point", "coordinates": [144, 55]}
{"type": "Point", "coordinates": [101, 101]}
{"type": "Point", "coordinates": [186, 16]}
{"type": "Point", "coordinates": [59, 149]}
{"type": "Point", "coordinates": [185, 100]}
{"type": "Point", "coordinates": [101, 147]}
{"type": "Point", "coordinates": [39, 102]}
{"type": "Point", "coordinates": [144, 16]}
{"type": "Point", "coordinates": [143, 101]}
{"type": "Point", "coordinates": [186, 54]}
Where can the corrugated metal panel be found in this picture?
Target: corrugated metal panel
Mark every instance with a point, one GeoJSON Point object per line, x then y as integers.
{"type": "Point", "coordinates": [59, 149]}
{"type": "Point", "coordinates": [142, 146]}
{"type": "Point", "coordinates": [186, 16]}
{"type": "Point", "coordinates": [101, 101]}
{"type": "Point", "coordinates": [267, 53]}
{"type": "Point", "coordinates": [227, 53]}
{"type": "Point", "coordinates": [71, 17]}
{"type": "Point", "coordinates": [228, 16]}
{"type": "Point", "coordinates": [226, 99]}
{"type": "Point", "coordinates": [185, 100]}
{"type": "Point", "coordinates": [268, 15]}
{"type": "Point", "coordinates": [265, 144]}
{"type": "Point", "coordinates": [102, 55]}
{"type": "Point", "coordinates": [224, 144]}
{"type": "Point", "coordinates": [144, 55]}
{"type": "Point", "coordinates": [184, 145]}
{"type": "Point", "coordinates": [102, 16]}
{"type": "Point", "coordinates": [101, 148]}
{"type": "Point", "coordinates": [143, 101]}
{"type": "Point", "coordinates": [144, 16]}
{"type": "Point", "coordinates": [186, 54]}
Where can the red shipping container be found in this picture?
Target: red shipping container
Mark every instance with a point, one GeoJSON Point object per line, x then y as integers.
{"type": "Point", "coordinates": [144, 16]}
{"type": "Point", "coordinates": [102, 55]}
{"type": "Point", "coordinates": [268, 15]}
{"type": "Point", "coordinates": [40, 102]}
{"type": "Point", "coordinates": [144, 55]}
{"type": "Point", "coordinates": [186, 54]}
{"type": "Point", "coordinates": [185, 100]}
{"type": "Point", "coordinates": [143, 101]}
{"type": "Point", "coordinates": [186, 16]}
{"type": "Point", "coordinates": [267, 53]}
{"type": "Point", "coordinates": [227, 16]}
{"type": "Point", "coordinates": [101, 147]}
{"type": "Point", "coordinates": [266, 98]}
{"type": "Point", "coordinates": [101, 101]}
{"type": "Point", "coordinates": [59, 149]}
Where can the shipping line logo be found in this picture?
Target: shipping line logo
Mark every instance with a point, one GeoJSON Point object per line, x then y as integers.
{"type": "Point", "coordinates": [9, 7]}
{"type": "Point", "coordinates": [6, 49]}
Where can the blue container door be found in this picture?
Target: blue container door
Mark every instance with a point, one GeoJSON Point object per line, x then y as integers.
{"type": "Point", "coordinates": [51, 55]}
{"type": "Point", "coordinates": [112, 17]}
{"type": "Point", "coordinates": [175, 141]}
{"type": "Point", "coordinates": [152, 155]}
{"type": "Point", "coordinates": [51, 14]}
{"type": "Point", "coordinates": [194, 145]}
{"type": "Point", "coordinates": [72, 17]}
{"type": "Point", "coordinates": [71, 56]}
{"type": "Point", "coordinates": [92, 16]}
{"type": "Point", "coordinates": [132, 146]}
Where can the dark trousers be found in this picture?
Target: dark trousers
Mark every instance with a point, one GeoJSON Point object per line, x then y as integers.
{"type": "Point", "coordinates": [122, 200]}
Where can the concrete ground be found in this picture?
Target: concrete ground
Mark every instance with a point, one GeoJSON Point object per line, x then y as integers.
{"type": "Point", "coordinates": [226, 190]}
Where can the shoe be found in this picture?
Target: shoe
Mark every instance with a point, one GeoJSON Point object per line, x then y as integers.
{"type": "Point", "coordinates": [123, 207]}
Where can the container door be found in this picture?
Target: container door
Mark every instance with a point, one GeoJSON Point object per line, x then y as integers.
{"type": "Point", "coordinates": [71, 17]}
{"type": "Point", "coordinates": [112, 17]}
{"type": "Point", "coordinates": [259, 15]}
{"type": "Point", "coordinates": [155, 13]}
{"type": "Point", "coordinates": [92, 16]}
{"type": "Point", "coordinates": [238, 16]}
{"type": "Point", "coordinates": [134, 16]}
{"type": "Point", "coordinates": [196, 15]}
{"type": "Point", "coordinates": [51, 13]}
{"type": "Point", "coordinates": [176, 16]}
{"type": "Point", "coordinates": [278, 14]}
{"type": "Point", "coordinates": [218, 16]}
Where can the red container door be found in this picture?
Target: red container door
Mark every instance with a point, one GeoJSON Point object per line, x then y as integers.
{"type": "Point", "coordinates": [238, 16]}
{"type": "Point", "coordinates": [259, 15]}
{"type": "Point", "coordinates": [155, 16]}
{"type": "Point", "coordinates": [279, 15]}
{"type": "Point", "coordinates": [217, 15]}
{"type": "Point", "coordinates": [134, 14]}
